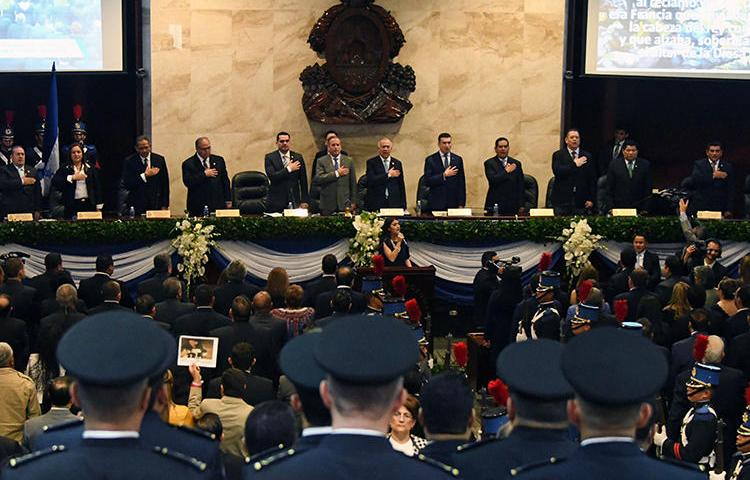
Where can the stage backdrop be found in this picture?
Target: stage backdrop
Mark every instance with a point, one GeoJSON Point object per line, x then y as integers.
{"type": "Point", "coordinates": [484, 68]}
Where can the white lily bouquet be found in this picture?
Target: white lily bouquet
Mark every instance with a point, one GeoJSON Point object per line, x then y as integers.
{"type": "Point", "coordinates": [367, 239]}
{"type": "Point", "coordinates": [578, 244]}
{"type": "Point", "coordinates": [192, 246]}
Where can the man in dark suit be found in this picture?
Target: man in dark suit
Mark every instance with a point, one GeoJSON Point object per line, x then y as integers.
{"type": "Point", "coordinates": [671, 270]}
{"type": "Point", "coordinates": [344, 280]}
{"type": "Point", "coordinates": [638, 282]}
{"type": "Point", "coordinates": [288, 176]}
{"type": "Point", "coordinates": [154, 286]}
{"type": "Point", "coordinates": [647, 260]}
{"type": "Point", "coordinates": [241, 330]}
{"type": "Point", "coordinates": [326, 283]}
{"type": "Point", "coordinates": [618, 282]}
{"type": "Point", "coordinates": [738, 323]}
{"type": "Point", "coordinates": [444, 174]}
{"type": "Point", "coordinates": [611, 151]}
{"type": "Point", "coordinates": [682, 350]}
{"type": "Point", "coordinates": [629, 181]}
{"type": "Point", "coordinates": [337, 179]}
{"type": "Point", "coordinates": [205, 176]}
{"type": "Point", "coordinates": [575, 177]}
{"type": "Point", "coordinates": [21, 193]}
{"type": "Point", "coordinates": [323, 152]}
{"type": "Point", "coordinates": [486, 281]}
{"type": "Point", "coordinates": [172, 308]}
{"type": "Point", "coordinates": [204, 318]}
{"type": "Point", "coordinates": [257, 389]}
{"type": "Point", "coordinates": [111, 296]}
{"type": "Point", "coordinates": [385, 179]}
{"type": "Point", "coordinates": [13, 332]}
{"type": "Point", "coordinates": [24, 299]}
{"type": "Point", "coordinates": [713, 181]}
{"type": "Point", "coordinates": [146, 178]}
{"type": "Point", "coordinates": [54, 275]}
{"type": "Point", "coordinates": [693, 258]}
{"type": "Point", "coordinates": [236, 285]}
{"type": "Point", "coordinates": [90, 289]}
{"type": "Point", "coordinates": [505, 177]}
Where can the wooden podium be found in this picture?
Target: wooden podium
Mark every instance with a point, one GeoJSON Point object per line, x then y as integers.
{"type": "Point", "coordinates": [420, 281]}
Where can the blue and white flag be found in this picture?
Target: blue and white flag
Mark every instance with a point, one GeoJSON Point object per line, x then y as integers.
{"type": "Point", "coordinates": [51, 154]}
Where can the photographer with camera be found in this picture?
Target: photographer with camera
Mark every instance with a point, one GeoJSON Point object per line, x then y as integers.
{"type": "Point", "coordinates": [486, 281]}
{"type": "Point", "coordinates": [501, 304]}
{"type": "Point", "coordinates": [700, 252]}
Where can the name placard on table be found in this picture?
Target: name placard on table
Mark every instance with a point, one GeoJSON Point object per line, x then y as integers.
{"type": "Point", "coordinates": [391, 212]}
{"type": "Point", "coordinates": [541, 212]}
{"type": "Point", "coordinates": [150, 214]}
{"type": "Point", "coordinates": [227, 212]}
{"type": "Point", "coordinates": [708, 215]}
{"type": "Point", "coordinates": [459, 212]}
{"type": "Point", "coordinates": [624, 212]}
{"type": "Point", "coordinates": [89, 216]}
{"type": "Point", "coordinates": [20, 217]}
{"type": "Point", "coordinates": [295, 212]}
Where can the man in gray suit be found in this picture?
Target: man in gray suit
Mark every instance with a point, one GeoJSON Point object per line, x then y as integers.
{"type": "Point", "coordinates": [58, 391]}
{"type": "Point", "coordinates": [337, 179]}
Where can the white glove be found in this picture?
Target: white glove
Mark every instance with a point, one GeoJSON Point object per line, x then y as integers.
{"type": "Point", "coordinates": [660, 436]}
{"type": "Point", "coordinates": [716, 476]}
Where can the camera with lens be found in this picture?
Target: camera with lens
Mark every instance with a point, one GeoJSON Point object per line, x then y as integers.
{"type": "Point", "coordinates": [509, 267]}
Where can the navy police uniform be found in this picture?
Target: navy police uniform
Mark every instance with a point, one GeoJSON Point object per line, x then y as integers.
{"type": "Point", "coordinates": [611, 369]}
{"type": "Point", "coordinates": [532, 371]}
{"type": "Point", "coordinates": [98, 352]}
{"type": "Point", "coordinates": [358, 351]}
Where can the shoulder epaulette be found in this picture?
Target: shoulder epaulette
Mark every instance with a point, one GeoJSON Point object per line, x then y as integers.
{"type": "Point", "coordinates": [453, 471]}
{"type": "Point", "coordinates": [181, 457]}
{"type": "Point", "coordinates": [24, 459]}
{"type": "Point", "coordinates": [472, 445]}
{"type": "Point", "coordinates": [267, 461]}
{"type": "Point", "coordinates": [532, 466]}
{"type": "Point", "coordinates": [680, 463]}
{"type": "Point", "coordinates": [265, 454]}
{"type": "Point", "coordinates": [63, 425]}
{"type": "Point", "coordinates": [196, 431]}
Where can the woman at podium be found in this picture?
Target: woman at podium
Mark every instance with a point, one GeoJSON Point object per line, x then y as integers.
{"type": "Point", "coordinates": [393, 247]}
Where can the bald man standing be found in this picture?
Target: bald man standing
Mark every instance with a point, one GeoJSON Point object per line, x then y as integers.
{"type": "Point", "coordinates": [385, 179]}
{"type": "Point", "coordinates": [206, 179]}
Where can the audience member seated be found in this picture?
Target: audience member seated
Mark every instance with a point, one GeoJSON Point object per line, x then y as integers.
{"type": "Point", "coordinates": [230, 408]}
{"type": "Point", "coordinates": [235, 285]}
{"type": "Point", "coordinates": [178, 415]}
{"type": "Point", "coordinates": [46, 283]}
{"type": "Point", "coordinates": [13, 332]}
{"type": "Point", "coordinates": [90, 289]}
{"type": "Point", "coordinates": [647, 260]}
{"type": "Point", "coordinates": [18, 402]}
{"type": "Point", "coordinates": [241, 330]}
{"type": "Point", "coordinates": [401, 425]}
{"type": "Point", "coordinates": [297, 317]}
{"type": "Point", "coordinates": [276, 285]}
{"type": "Point", "coordinates": [211, 423]}
{"type": "Point", "coordinates": [58, 393]}
{"type": "Point", "coordinates": [270, 426]}
{"type": "Point", "coordinates": [172, 308]}
{"type": "Point", "coordinates": [326, 283]}
{"type": "Point", "coordinates": [154, 286]}
{"type": "Point", "coordinates": [146, 307]}
{"type": "Point", "coordinates": [111, 296]}
{"type": "Point", "coordinates": [671, 273]}
{"type": "Point", "coordinates": [446, 415]}
{"type": "Point", "coordinates": [259, 389]}
{"type": "Point", "coordinates": [721, 311]}
{"type": "Point", "coordinates": [204, 318]}
{"type": "Point", "coordinates": [393, 247]}
{"type": "Point", "coordinates": [344, 281]}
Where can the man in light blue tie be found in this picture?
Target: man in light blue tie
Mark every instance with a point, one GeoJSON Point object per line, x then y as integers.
{"type": "Point", "coordinates": [385, 179]}
{"type": "Point", "coordinates": [337, 179]}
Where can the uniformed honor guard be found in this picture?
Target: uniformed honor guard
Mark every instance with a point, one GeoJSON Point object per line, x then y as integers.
{"type": "Point", "coordinates": [112, 388]}
{"type": "Point", "coordinates": [614, 374]}
{"type": "Point", "coordinates": [741, 469]}
{"type": "Point", "coordinates": [7, 139]}
{"type": "Point", "coordinates": [536, 409]}
{"type": "Point", "coordinates": [365, 359]}
{"type": "Point", "coordinates": [79, 135]}
{"type": "Point", "coordinates": [584, 319]}
{"type": "Point", "coordinates": [545, 322]}
{"type": "Point", "coordinates": [35, 153]}
{"type": "Point", "coordinates": [698, 431]}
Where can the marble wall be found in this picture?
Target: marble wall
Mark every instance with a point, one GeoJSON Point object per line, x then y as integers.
{"type": "Point", "coordinates": [485, 68]}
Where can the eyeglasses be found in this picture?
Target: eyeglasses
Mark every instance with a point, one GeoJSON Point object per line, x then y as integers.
{"type": "Point", "coordinates": [405, 416]}
{"type": "Point", "coordinates": [712, 250]}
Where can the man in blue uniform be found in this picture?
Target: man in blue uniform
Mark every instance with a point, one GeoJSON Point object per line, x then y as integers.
{"type": "Point", "coordinates": [614, 373]}
{"type": "Point", "coordinates": [536, 409]}
{"type": "Point", "coordinates": [698, 431]}
{"type": "Point", "coordinates": [365, 359]}
{"type": "Point", "coordinates": [111, 386]}
{"type": "Point", "coordinates": [741, 468]}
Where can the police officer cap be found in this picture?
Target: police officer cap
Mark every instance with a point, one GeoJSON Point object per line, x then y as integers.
{"type": "Point", "coordinates": [297, 361]}
{"type": "Point", "coordinates": [40, 126]}
{"type": "Point", "coordinates": [8, 132]}
{"type": "Point", "coordinates": [362, 349]}
{"type": "Point", "coordinates": [532, 368]}
{"type": "Point", "coordinates": [115, 349]}
{"type": "Point", "coordinates": [13, 254]}
{"type": "Point", "coordinates": [609, 366]}
{"type": "Point", "coordinates": [548, 280]}
{"type": "Point", "coordinates": [79, 126]}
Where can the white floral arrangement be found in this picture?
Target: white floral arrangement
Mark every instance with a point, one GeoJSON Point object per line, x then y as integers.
{"type": "Point", "coordinates": [367, 239]}
{"type": "Point", "coordinates": [578, 243]}
{"type": "Point", "coordinates": [192, 246]}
